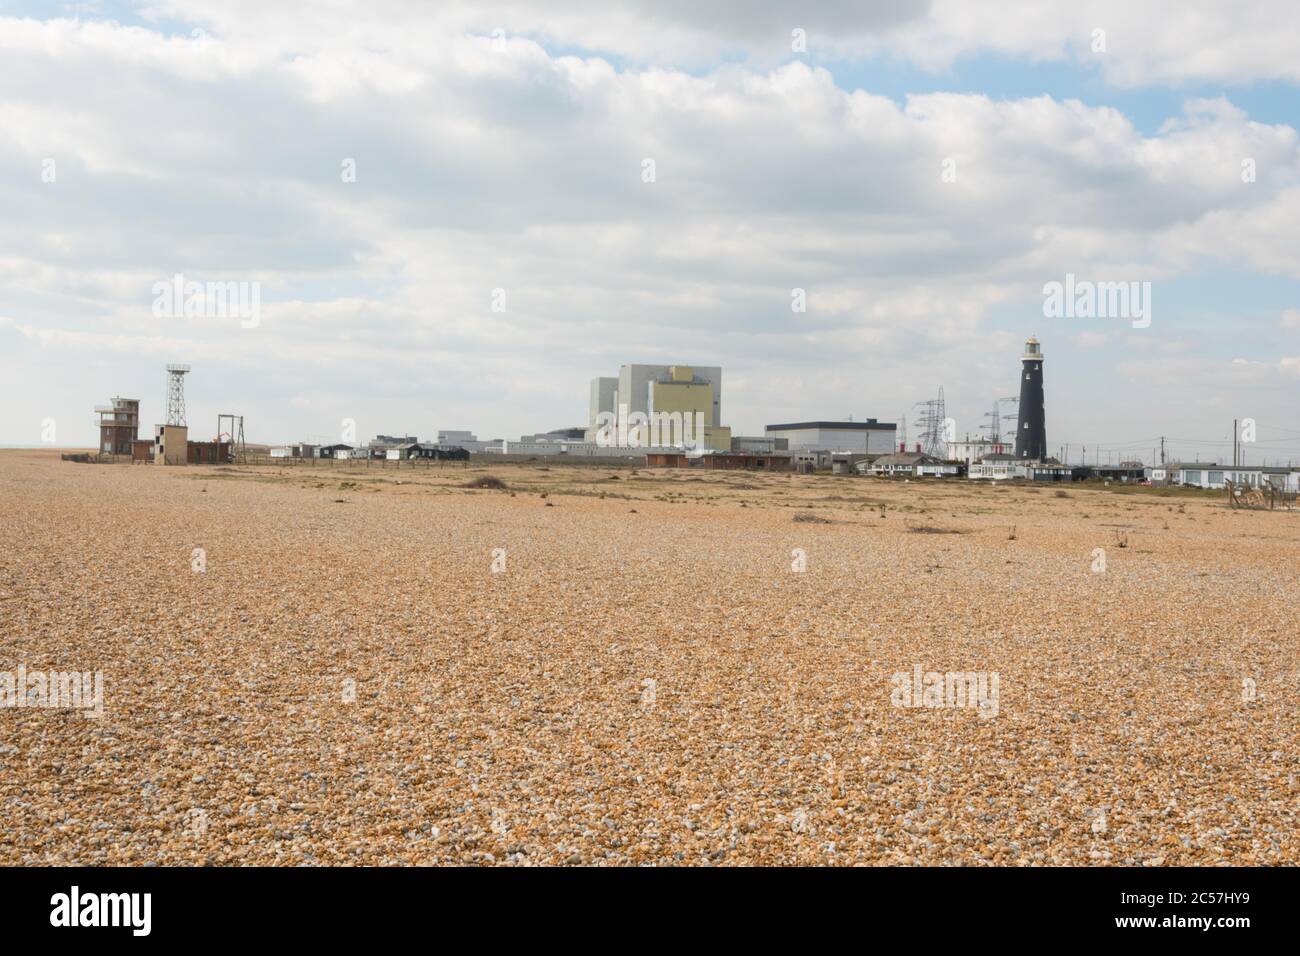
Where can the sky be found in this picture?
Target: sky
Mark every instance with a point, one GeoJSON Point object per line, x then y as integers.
{"type": "Point", "coordinates": [455, 217]}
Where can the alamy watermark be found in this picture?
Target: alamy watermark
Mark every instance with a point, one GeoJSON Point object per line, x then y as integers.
{"type": "Point", "coordinates": [627, 429]}
{"type": "Point", "coordinates": [179, 299]}
{"type": "Point", "coordinates": [974, 689]}
{"type": "Point", "coordinates": [1084, 299]}
{"type": "Point", "coordinates": [75, 908]}
{"type": "Point", "coordinates": [56, 690]}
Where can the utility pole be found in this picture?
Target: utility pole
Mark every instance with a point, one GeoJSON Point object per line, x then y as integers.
{"type": "Point", "coordinates": [1234, 444]}
{"type": "Point", "coordinates": [1162, 449]}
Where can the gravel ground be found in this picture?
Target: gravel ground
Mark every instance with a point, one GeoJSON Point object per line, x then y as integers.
{"type": "Point", "coordinates": [645, 679]}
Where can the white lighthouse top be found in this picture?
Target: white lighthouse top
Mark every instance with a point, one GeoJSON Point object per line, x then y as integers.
{"type": "Point", "coordinates": [1033, 352]}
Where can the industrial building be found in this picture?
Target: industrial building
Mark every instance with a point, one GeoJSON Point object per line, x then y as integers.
{"type": "Point", "coordinates": [756, 445]}
{"type": "Point", "coordinates": [660, 407]}
{"type": "Point", "coordinates": [869, 437]}
{"type": "Point", "coordinates": [119, 426]}
{"type": "Point", "coordinates": [552, 447]}
{"type": "Point", "coordinates": [602, 400]}
{"type": "Point", "coordinates": [558, 434]}
{"type": "Point", "coordinates": [632, 389]}
{"type": "Point", "coordinates": [682, 398]}
{"type": "Point", "coordinates": [469, 441]}
{"type": "Point", "coordinates": [383, 444]}
{"type": "Point", "coordinates": [632, 392]}
{"type": "Point", "coordinates": [574, 449]}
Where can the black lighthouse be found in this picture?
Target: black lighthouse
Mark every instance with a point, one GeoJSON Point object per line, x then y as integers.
{"type": "Point", "coordinates": [1031, 430]}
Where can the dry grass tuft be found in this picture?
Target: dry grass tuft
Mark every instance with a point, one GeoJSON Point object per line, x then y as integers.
{"type": "Point", "coordinates": [807, 517]}
{"type": "Point", "coordinates": [934, 529]}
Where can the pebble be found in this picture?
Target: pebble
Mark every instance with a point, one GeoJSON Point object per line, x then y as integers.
{"type": "Point", "coordinates": [490, 712]}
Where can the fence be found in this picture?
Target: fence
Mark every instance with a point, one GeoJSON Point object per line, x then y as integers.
{"type": "Point", "coordinates": [400, 463]}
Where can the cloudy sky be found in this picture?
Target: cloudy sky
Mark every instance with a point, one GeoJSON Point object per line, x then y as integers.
{"type": "Point", "coordinates": [920, 169]}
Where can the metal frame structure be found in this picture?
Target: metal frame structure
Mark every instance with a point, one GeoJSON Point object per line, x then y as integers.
{"type": "Point", "coordinates": [176, 394]}
{"type": "Point", "coordinates": [238, 450]}
{"type": "Point", "coordinates": [932, 421]}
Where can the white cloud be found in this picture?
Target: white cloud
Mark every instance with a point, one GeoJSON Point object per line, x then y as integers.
{"type": "Point", "coordinates": [483, 166]}
{"type": "Point", "coordinates": [1164, 43]}
{"type": "Point", "coordinates": [1089, 340]}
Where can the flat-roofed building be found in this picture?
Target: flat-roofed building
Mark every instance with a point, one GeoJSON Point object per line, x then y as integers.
{"type": "Point", "coordinates": [971, 450]}
{"type": "Point", "coordinates": [119, 425]}
{"type": "Point", "coordinates": [1202, 474]}
{"type": "Point", "coordinates": [869, 437]}
{"type": "Point", "coordinates": [995, 467]}
{"type": "Point", "coordinates": [603, 399]}
{"type": "Point", "coordinates": [659, 406]}
{"type": "Point", "coordinates": [170, 444]}
{"type": "Point", "coordinates": [1049, 469]}
{"type": "Point", "coordinates": [633, 393]}
{"type": "Point", "coordinates": [468, 441]}
{"type": "Point", "coordinates": [635, 386]}
{"type": "Point", "coordinates": [207, 452]}
{"type": "Point", "coordinates": [729, 461]}
{"type": "Point", "coordinates": [757, 445]}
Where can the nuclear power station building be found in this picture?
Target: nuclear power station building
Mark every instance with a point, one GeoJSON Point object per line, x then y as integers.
{"type": "Point", "coordinates": [1031, 430]}
{"type": "Point", "coordinates": [643, 394]}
